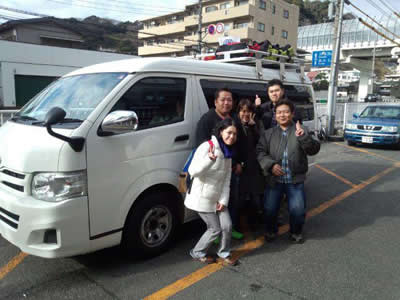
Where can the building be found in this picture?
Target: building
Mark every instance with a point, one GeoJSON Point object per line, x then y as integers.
{"type": "Point", "coordinates": [93, 33]}
{"type": "Point", "coordinates": [249, 20]}
{"type": "Point", "coordinates": [42, 31]}
{"type": "Point", "coordinates": [25, 69]}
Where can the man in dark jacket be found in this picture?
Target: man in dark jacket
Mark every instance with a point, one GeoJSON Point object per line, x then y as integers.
{"type": "Point", "coordinates": [266, 111]}
{"type": "Point", "coordinates": [223, 109]}
{"type": "Point", "coordinates": [282, 153]}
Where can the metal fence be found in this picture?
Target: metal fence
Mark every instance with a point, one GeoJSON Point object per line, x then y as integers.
{"type": "Point", "coordinates": [344, 111]}
{"type": "Point", "coordinates": [6, 114]}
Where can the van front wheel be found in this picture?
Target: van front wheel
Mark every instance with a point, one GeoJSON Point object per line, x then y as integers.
{"type": "Point", "coordinates": [150, 226]}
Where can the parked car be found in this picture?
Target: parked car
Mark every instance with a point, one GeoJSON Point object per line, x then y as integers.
{"type": "Point", "coordinates": [373, 98]}
{"type": "Point", "coordinates": [377, 124]}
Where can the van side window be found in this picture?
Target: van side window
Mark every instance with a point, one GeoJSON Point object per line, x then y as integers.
{"type": "Point", "coordinates": [240, 90]}
{"type": "Point", "coordinates": [157, 101]}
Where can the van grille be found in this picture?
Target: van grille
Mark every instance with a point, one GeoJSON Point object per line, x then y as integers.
{"type": "Point", "coordinates": [15, 180]}
{"type": "Point", "coordinates": [14, 186]}
{"type": "Point", "coordinates": [13, 174]}
{"type": "Point", "coordinates": [9, 218]}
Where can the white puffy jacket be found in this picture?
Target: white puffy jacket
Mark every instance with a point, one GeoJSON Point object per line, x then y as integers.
{"type": "Point", "coordinates": [211, 179]}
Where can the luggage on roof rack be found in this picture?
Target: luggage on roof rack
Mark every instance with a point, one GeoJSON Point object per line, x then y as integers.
{"type": "Point", "coordinates": [259, 59]}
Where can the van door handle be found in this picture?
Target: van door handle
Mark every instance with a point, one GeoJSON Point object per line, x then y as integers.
{"type": "Point", "coordinates": [182, 138]}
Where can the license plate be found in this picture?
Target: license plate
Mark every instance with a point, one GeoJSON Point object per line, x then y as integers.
{"type": "Point", "coordinates": [367, 139]}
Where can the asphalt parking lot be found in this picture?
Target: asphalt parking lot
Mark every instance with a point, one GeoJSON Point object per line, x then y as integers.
{"type": "Point", "coordinates": [351, 249]}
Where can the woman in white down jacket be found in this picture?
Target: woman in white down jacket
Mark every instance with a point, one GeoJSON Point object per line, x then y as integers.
{"type": "Point", "coordinates": [209, 193]}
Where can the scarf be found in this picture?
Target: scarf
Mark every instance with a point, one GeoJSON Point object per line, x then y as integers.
{"type": "Point", "coordinates": [227, 150]}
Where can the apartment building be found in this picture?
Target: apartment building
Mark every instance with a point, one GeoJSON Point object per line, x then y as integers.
{"type": "Point", "coordinates": [249, 20]}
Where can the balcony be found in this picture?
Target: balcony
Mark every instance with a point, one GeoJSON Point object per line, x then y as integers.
{"type": "Point", "coordinates": [226, 14]}
{"type": "Point", "coordinates": [160, 49]}
{"type": "Point", "coordinates": [163, 29]}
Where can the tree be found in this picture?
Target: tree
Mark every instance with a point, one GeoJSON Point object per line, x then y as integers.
{"type": "Point", "coordinates": [380, 70]}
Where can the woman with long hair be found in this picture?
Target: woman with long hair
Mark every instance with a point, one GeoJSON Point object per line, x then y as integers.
{"type": "Point", "coordinates": [209, 193]}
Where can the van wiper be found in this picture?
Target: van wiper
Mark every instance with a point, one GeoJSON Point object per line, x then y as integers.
{"type": "Point", "coordinates": [24, 118]}
{"type": "Point", "coordinates": [70, 120]}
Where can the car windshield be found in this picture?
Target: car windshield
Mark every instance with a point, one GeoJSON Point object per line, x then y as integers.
{"type": "Point", "coordinates": [77, 95]}
{"type": "Point", "coordinates": [385, 112]}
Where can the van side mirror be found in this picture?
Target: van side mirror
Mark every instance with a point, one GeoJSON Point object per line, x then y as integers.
{"type": "Point", "coordinates": [118, 122]}
{"type": "Point", "coordinates": [54, 116]}
{"type": "Point", "coordinates": [57, 115]}
{"type": "Point", "coordinates": [355, 116]}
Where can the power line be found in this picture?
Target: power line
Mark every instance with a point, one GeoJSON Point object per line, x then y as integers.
{"type": "Point", "coordinates": [22, 11]}
{"type": "Point", "coordinates": [377, 7]}
{"type": "Point", "coordinates": [391, 9]}
{"type": "Point", "coordinates": [349, 3]}
{"type": "Point", "coordinates": [129, 12]}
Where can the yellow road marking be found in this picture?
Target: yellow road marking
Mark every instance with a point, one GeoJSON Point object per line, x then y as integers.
{"type": "Point", "coordinates": [368, 152]}
{"type": "Point", "coordinates": [335, 175]}
{"type": "Point", "coordinates": [12, 264]}
{"type": "Point", "coordinates": [206, 271]}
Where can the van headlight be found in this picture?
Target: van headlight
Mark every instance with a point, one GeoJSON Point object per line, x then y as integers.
{"type": "Point", "coordinates": [390, 128]}
{"type": "Point", "coordinates": [351, 126]}
{"type": "Point", "coordinates": [56, 187]}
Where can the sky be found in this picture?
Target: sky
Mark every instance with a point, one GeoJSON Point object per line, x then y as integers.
{"type": "Point", "coordinates": [131, 10]}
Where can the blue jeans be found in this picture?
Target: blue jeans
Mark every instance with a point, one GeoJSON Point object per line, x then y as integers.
{"type": "Point", "coordinates": [296, 204]}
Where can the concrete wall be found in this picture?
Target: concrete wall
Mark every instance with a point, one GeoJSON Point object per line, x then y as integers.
{"type": "Point", "coordinates": [36, 60]}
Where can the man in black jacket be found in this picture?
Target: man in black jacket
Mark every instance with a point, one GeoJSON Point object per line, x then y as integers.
{"type": "Point", "coordinates": [223, 109]}
{"type": "Point", "coordinates": [266, 111]}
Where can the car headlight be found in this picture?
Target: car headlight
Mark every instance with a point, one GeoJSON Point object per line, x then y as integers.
{"type": "Point", "coordinates": [390, 128]}
{"type": "Point", "coordinates": [56, 187]}
{"type": "Point", "coordinates": [351, 126]}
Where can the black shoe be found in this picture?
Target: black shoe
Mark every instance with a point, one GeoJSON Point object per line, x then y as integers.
{"type": "Point", "coordinates": [296, 238]}
{"type": "Point", "coordinates": [269, 237]}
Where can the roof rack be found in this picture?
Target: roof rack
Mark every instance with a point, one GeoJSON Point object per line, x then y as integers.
{"type": "Point", "coordinates": [256, 59]}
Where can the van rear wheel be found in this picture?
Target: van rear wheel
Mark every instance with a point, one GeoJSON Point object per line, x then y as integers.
{"type": "Point", "coordinates": [150, 226]}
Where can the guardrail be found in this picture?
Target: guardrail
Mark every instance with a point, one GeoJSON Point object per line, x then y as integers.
{"type": "Point", "coordinates": [6, 114]}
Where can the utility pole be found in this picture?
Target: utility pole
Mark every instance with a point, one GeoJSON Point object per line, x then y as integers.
{"type": "Point", "coordinates": [200, 26]}
{"type": "Point", "coordinates": [337, 32]}
{"type": "Point", "coordinates": [373, 68]}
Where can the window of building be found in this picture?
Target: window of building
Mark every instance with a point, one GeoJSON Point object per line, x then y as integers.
{"type": "Point", "coordinates": [273, 9]}
{"type": "Point", "coordinates": [225, 5]}
{"type": "Point", "coordinates": [284, 34]}
{"type": "Point", "coordinates": [261, 27]}
{"type": "Point", "coordinates": [211, 8]}
{"type": "Point", "coordinates": [286, 14]}
{"type": "Point", "coordinates": [157, 101]}
{"type": "Point", "coordinates": [263, 4]}
{"type": "Point", "coordinates": [241, 2]}
{"type": "Point", "coordinates": [227, 27]}
{"type": "Point", "coordinates": [240, 25]}
{"type": "Point", "coordinates": [150, 43]}
{"type": "Point", "coordinates": [272, 30]}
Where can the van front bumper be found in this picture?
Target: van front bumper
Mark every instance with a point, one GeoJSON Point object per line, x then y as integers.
{"type": "Point", "coordinates": [376, 138]}
{"type": "Point", "coordinates": [46, 229]}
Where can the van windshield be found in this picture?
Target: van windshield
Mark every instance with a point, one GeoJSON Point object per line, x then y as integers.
{"type": "Point", "coordinates": [77, 95]}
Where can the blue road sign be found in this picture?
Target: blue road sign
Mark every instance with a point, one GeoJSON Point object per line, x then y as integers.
{"type": "Point", "coordinates": [322, 58]}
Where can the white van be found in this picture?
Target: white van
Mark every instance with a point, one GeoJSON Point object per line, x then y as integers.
{"type": "Point", "coordinates": [93, 160]}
